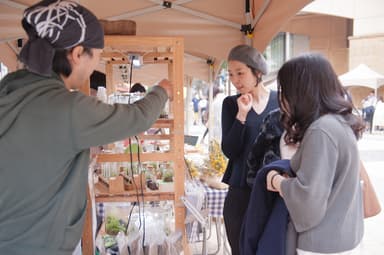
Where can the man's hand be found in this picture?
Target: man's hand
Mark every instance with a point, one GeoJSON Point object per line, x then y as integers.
{"type": "Point", "coordinates": [167, 85]}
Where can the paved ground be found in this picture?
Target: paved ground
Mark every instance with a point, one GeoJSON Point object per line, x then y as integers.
{"type": "Point", "coordinates": [371, 148]}
{"type": "Point", "coordinates": [372, 153]}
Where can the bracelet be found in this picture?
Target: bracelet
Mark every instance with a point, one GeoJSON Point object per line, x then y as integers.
{"type": "Point", "coordinates": [273, 176]}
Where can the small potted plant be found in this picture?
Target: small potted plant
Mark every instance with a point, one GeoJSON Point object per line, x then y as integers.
{"type": "Point", "coordinates": [113, 225]}
{"type": "Point", "coordinates": [166, 184]}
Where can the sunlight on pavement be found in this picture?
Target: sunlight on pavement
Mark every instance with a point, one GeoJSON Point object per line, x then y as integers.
{"type": "Point", "coordinates": [372, 153]}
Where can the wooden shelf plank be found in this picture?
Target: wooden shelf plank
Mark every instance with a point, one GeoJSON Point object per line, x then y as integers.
{"type": "Point", "coordinates": [132, 197]}
{"type": "Point", "coordinates": [102, 195]}
{"type": "Point", "coordinates": [163, 123]}
{"type": "Point", "coordinates": [136, 42]}
{"type": "Point", "coordinates": [156, 137]}
{"type": "Point", "coordinates": [144, 157]}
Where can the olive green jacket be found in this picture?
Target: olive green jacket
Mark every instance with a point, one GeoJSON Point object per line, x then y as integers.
{"type": "Point", "coordinates": [45, 135]}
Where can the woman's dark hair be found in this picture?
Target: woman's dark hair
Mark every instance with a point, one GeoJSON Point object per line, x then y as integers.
{"type": "Point", "coordinates": [98, 79]}
{"type": "Point", "coordinates": [308, 88]}
{"type": "Point", "coordinates": [61, 64]}
{"type": "Point", "coordinates": [137, 87]}
{"type": "Point", "coordinates": [257, 74]}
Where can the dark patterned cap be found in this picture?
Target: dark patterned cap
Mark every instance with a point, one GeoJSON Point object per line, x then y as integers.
{"type": "Point", "coordinates": [249, 56]}
{"type": "Point", "coordinates": [52, 25]}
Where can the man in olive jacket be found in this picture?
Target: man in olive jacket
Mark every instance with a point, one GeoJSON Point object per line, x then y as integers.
{"type": "Point", "coordinates": [46, 129]}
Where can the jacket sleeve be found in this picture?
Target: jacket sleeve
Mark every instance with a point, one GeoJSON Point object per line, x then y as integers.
{"type": "Point", "coordinates": [266, 148]}
{"type": "Point", "coordinates": [233, 134]}
{"type": "Point", "coordinates": [255, 157]}
{"type": "Point", "coordinates": [306, 195]}
{"type": "Point", "coordinates": [95, 123]}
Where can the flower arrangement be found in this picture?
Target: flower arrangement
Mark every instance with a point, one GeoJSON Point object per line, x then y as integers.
{"type": "Point", "coordinates": [193, 168]}
{"type": "Point", "coordinates": [216, 163]}
{"type": "Point", "coordinates": [211, 165]}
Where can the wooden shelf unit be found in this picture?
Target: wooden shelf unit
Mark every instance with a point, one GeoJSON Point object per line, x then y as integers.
{"type": "Point", "coordinates": [130, 196]}
{"type": "Point", "coordinates": [175, 52]}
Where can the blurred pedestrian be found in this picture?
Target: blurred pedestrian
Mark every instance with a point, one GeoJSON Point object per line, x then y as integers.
{"type": "Point", "coordinates": [137, 87]}
{"type": "Point", "coordinates": [369, 109]}
{"type": "Point", "coordinates": [97, 79]}
{"type": "Point", "coordinates": [195, 105]}
{"type": "Point", "coordinates": [378, 116]}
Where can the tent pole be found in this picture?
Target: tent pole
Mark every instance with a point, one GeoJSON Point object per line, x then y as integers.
{"type": "Point", "coordinates": [210, 106]}
{"type": "Point", "coordinates": [14, 4]}
{"type": "Point", "coordinates": [261, 12]}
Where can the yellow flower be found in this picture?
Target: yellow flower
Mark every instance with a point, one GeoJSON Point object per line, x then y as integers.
{"type": "Point", "coordinates": [192, 168]}
{"type": "Point", "coordinates": [217, 161]}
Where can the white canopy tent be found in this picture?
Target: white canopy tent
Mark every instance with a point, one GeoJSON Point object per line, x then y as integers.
{"type": "Point", "coordinates": [363, 76]}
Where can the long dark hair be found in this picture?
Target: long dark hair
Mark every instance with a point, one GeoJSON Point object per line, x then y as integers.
{"type": "Point", "coordinates": [308, 88]}
{"type": "Point", "coordinates": [257, 74]}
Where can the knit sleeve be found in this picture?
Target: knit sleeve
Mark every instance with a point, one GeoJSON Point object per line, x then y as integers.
{"type": "Point", "coordinates": [95, 123]}
{"type": "Point", "coordinates": [307, 194]}
{"type": "Point", "coordinates": [233, 137]}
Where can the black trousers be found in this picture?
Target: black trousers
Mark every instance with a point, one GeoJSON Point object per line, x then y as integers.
{"type": "Point", "coordinates": [235, 206]}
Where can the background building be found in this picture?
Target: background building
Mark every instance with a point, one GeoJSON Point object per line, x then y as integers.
{"type": "Point", "coordinates": [348, 32]}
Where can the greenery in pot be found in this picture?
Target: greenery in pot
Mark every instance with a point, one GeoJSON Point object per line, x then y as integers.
{"type": "Point", "coordinates": [168, 176]}
{"type": "Point", "coordinates": [113, 225]}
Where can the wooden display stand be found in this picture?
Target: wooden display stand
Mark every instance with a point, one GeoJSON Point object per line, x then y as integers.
{"type": "Point", "coordinates": [114, 46]}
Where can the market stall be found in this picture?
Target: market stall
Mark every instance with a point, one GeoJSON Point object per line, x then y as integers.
{"type": "Point", "coordinates": [124, 167]}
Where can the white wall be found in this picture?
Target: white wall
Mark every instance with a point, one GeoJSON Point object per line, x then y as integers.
{"type": "Point", "coordinates": [368, 15]}
{"type": "Point", "coordinates": [342, 8]}
{"type": "Point", "coordinates": [300, 44]}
